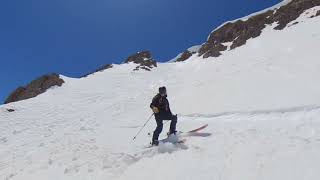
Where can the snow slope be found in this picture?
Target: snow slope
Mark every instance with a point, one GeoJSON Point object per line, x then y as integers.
{"type": "Point", "coordinates": [261, 102]}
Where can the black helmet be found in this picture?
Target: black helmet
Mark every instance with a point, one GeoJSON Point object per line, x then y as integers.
{"type": "Point", "coordinates": [162, 90]}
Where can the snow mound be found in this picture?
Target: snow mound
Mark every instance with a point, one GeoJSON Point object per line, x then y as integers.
{"type": "Point", "coordinates": [167, 147]}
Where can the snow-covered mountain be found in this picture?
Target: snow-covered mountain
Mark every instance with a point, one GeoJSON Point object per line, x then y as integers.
{"type": "Point", "coordinates": [261, 101]}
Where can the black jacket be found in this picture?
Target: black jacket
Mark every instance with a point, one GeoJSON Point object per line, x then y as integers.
{"type": "Point", "coordinates": [162, 104]}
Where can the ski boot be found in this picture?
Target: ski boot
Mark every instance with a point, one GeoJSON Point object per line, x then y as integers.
{"type": "Point", "coordinates": [154, 143]}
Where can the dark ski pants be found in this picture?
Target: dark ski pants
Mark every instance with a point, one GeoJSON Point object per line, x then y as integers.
{"type": "Point", "coordinates": [159, 119]}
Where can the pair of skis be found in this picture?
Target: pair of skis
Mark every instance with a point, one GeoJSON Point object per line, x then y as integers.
{"type": "Point", "coordinates": [176, 139]}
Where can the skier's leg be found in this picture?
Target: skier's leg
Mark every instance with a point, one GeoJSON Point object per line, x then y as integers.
{"type": "Point", "coordinates": [157, 131]}
{"type": "Point", "coordinates": [173, 124]}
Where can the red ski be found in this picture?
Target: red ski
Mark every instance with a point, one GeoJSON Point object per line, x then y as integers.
{"type": "Point", "coordinates": [198, 129]}
{"type": "Point", "coordinates": [179, 138]}
{"type": "Point", "coordinates": [195, 132]}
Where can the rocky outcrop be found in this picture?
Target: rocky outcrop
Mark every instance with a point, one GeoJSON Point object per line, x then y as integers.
{"type": "Point", "coordinates": [143, 59]}
{"type": "Point", "coordinates": [107, 66]}
{"type": "Point", "coordinates": [237, 33]}
{"type": "Point", "coordinates": [35, 88]}
{"type": "Point", "coordinates": [184, 56]}
{"type": "Point", "coordinates": [187, 54]}
{"type": "Point", "coordinates": [10, 110]}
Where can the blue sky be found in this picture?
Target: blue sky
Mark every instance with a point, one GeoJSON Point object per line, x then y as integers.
{"type": "Point", "coordinates": [74, 37]}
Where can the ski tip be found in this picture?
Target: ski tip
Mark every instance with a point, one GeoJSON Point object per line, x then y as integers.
{"type": "Point", "coordinates": [200, 128]}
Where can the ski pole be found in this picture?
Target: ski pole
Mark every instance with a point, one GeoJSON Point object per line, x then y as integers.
{"type": "Point", "coordinates": [143, 126]}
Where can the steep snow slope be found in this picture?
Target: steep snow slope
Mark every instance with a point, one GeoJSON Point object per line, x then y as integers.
{"type": "Point", "coordinates": [261, 102]}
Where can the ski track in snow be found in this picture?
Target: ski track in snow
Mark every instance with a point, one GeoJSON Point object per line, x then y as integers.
{"type": "Point", "coordinates": [265, 134]}
{"type": "Point", "coordinates": [261, 102]}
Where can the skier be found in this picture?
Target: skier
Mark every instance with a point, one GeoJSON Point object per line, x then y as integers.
{"type": "Point", "coordinates": [161, 109]}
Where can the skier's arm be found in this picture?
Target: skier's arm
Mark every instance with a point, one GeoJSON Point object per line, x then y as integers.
{"type": "Point", "coordinates": [169, 107]}
{"type": "Point", "coordinates": [153, 103]}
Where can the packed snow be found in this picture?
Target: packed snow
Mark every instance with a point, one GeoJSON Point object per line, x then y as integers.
{"type": "Point", "coordinates": [261, 102]}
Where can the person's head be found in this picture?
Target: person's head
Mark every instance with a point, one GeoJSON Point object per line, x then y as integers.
{"type": "Point", "coordinates": [162, 91]}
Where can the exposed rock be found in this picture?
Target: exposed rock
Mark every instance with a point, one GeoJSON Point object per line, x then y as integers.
{"type": "Point", "coordinates": [212, 50]}
{"type": "Point", "coordinates": [107, 66]}
{"type": "Point", "coordinates": [10, 110]}
{"type": "Point", "coordinates": [187, 53]}
{"type": "Point", "coordinates": [143, 59]}
{"type": "Point", "coordinates": [184, 56]}
{"type": "Point", "coordinates": [292, 11]}
{"type": "Point", "coordinates": [35, 88]}
{"type": "Point", "coordinates": [240, 31]}
{"type": "Point", "coordinates": [315, 15]}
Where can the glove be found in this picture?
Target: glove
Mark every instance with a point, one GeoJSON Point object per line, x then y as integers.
{"type": "Point", "coordinates": [155, 110]}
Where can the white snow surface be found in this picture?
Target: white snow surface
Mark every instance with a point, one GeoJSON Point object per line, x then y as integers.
{"type": "Point", "coordinates": [261, 102]}
{"type": "Point", "coordinates": [194, 49]}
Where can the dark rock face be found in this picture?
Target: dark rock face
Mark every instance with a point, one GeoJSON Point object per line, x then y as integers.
{"type": "Point", "coordinates": [35, 88]}
{"type": "Point", "coordinates": [292, 11]}
{"type": "Point", "coordinates": [318, 13]}
{"type": "Point", "coordinates": [185, 55]}
{"type": "Point", "coordinates": [143, 59]}
{"type": "Point", "coordinates": [240, 31]}
{"type": "Point", "coordinates": [107, 66]}
{"type": "Point", "coordinates": [10, 110]}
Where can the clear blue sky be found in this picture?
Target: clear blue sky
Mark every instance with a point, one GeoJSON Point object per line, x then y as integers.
{"type": "Point", "coordinates": [74, 37]}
